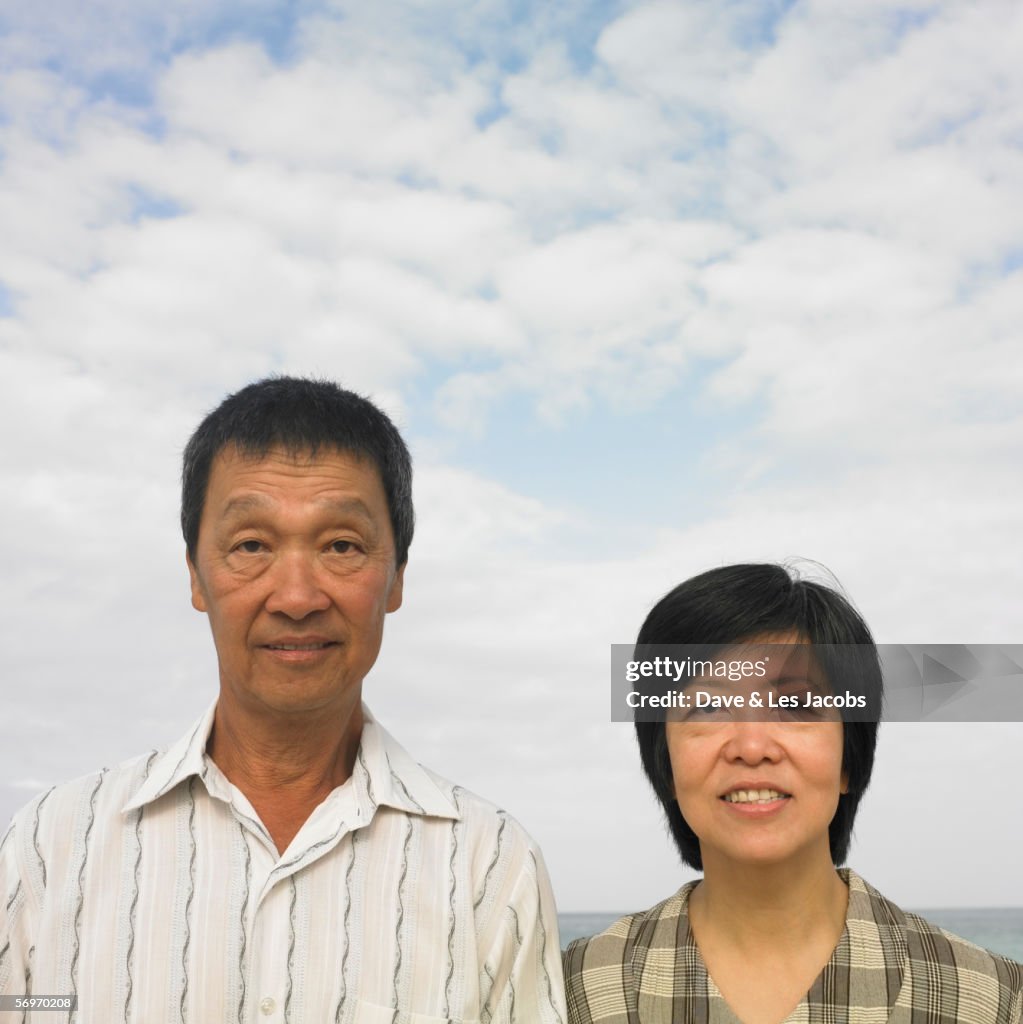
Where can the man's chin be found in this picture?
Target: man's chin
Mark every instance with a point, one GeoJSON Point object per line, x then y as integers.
{"type": "Point", "coordinates": [295, 697]}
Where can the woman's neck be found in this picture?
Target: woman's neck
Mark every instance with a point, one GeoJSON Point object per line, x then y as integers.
{"type": "Point", "coordinates": [765, 932]}
{"type": "Point", "coordinates": [770, 908]}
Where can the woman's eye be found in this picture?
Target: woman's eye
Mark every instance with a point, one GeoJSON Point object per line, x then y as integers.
{"type": "Point", "coordinates": [704, 714]}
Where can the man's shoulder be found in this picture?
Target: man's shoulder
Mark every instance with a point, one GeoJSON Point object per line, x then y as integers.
{"type": "Point", "coordinates": [97, 793]}
{"type": "Point", "coordinates": [415, 788]}
{"type": "Point", "coordinates": [498, 852]}
{"type": "Point", "coordinates": [44, 835]}
{"type": "Point", "coordinates": [480, 820]}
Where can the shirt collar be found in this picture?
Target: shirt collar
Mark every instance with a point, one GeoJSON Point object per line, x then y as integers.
{"type": "Point", "coordinates": [182, 760]}
{"type": "Point", "coordinates": [385, 773]}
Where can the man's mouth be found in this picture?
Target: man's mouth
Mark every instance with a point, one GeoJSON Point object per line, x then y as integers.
{"type": "Point", "coordinates": [300, 647]}
{"type": "Point", "coordinates": [754, 796]}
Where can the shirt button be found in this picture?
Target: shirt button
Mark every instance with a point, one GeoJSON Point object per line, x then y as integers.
{"type": "Point", "coordinates": [267, 1006]}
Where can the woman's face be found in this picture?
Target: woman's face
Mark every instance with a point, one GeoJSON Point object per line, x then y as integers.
{"type": "Point", "coordinates": [760, 791]}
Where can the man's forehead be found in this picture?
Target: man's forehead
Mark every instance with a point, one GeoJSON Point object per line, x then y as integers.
{"type": "Point", "coordinates": [254, 501]}
{"type": "Point", "coordinates": [242, 479]}
{"type": "Point", "coordinates": [233, 454]}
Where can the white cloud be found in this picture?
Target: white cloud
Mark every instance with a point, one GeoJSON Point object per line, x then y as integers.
{"type": "Point", "coordinates": [680, 54]}
{"type": "Point", "coordinates": [821, 218]}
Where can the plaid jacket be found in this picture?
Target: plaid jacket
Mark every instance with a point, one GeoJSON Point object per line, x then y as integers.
{"type": "Point", "coordinates": [887, 966]}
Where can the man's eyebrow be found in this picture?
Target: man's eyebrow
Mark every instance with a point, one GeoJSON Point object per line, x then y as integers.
{"type": "Point", "coordinates": [242, 503]}
{"type": "Point", "coordinates": [347, 506]}
{"type": "Point", "coordinates": [246, 503]}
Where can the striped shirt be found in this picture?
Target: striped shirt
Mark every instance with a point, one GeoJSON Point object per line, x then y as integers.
{"type": "Point", "coordinates": [887, 966]}
{"type": "Point", "coordinates": [154, 894]}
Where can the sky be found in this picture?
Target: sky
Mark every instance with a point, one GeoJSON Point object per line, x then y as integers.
{"type": "Point", "coordinates": [649, 288]}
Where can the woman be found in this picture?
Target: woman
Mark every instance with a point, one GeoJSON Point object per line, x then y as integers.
{"type": "Point", "coordinates": [764, 803]}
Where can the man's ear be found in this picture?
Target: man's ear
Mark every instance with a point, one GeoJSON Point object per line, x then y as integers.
{"type": "Point", "coordinates": [198, 600]}
{"type": "Point", "coordinates": [397, 588]}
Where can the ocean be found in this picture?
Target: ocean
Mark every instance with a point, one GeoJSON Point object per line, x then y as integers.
{"type": "Point", "coordinates": [1000, 930]}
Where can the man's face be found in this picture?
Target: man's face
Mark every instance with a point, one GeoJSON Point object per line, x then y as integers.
{"type": "Point", "coordinates": [295, 567]}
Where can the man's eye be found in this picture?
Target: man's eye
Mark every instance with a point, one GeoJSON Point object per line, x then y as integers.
{"type": "Point", "coordinates": [341, 547]}
{"type": "Point", "coordinates": [250, 547]}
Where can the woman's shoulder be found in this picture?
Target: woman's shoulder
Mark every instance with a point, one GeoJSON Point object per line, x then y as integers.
{"type": "Point", "coordinates": [599, 970]}
{"type": "Point", "coordinates": [929, 941]}
{"type": "Point", "coordinates": [929, 938]}
{"type": "Point", "coordinates": [943, 964]}
{"type": "Point", "coordinates": [653, 928]}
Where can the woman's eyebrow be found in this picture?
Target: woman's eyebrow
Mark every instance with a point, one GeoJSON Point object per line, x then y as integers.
{"type": "Point", "coordinates": [801, 678]}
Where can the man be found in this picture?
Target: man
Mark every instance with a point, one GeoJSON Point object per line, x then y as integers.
{"type": "Point", "coordinates": [286, 860]}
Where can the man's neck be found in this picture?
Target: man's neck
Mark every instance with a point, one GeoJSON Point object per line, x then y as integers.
{"type": "Point", "coordinates": [285, 765]}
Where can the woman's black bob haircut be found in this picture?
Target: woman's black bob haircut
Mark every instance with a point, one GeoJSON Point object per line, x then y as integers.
{"type": "Point", "coordinates": [739, 602]}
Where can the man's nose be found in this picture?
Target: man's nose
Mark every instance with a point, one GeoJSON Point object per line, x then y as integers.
{"type": "Point", "coordinates": [296, 587]}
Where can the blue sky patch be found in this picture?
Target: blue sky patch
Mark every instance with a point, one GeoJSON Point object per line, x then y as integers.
{"type": "Point", "coordinates": [654, 464]}
{"type": "Point", "coordinates": [147, 206]}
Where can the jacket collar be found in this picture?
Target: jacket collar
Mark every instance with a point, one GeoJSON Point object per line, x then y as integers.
{"type": "Point", "coordinates": [867, 966]}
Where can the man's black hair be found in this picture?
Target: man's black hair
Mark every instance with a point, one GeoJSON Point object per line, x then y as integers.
{"type": "Point", "coordinates": [300, 416]}
{"type": "Point", "coordinates": [739, 602]}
